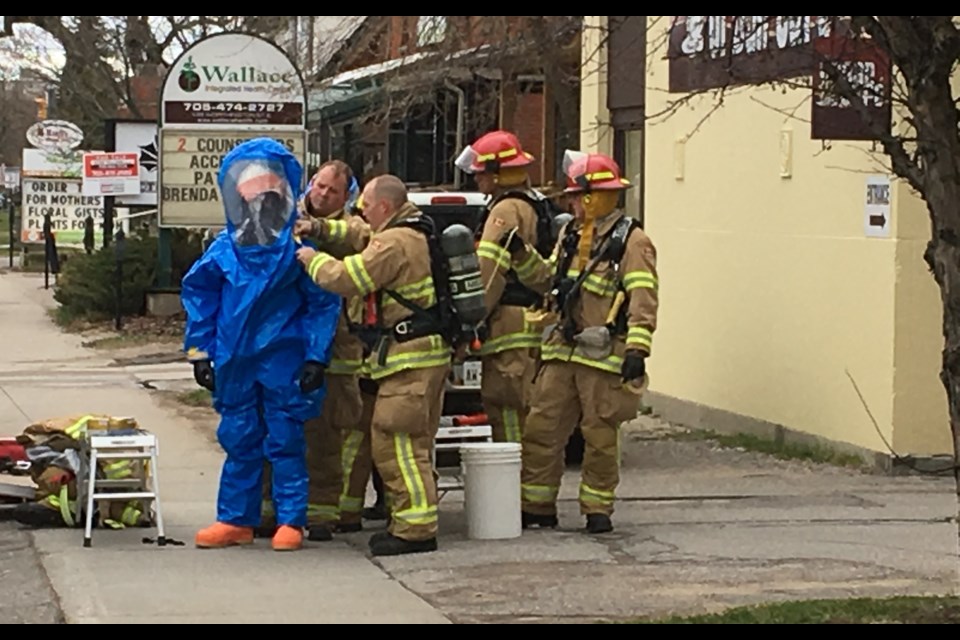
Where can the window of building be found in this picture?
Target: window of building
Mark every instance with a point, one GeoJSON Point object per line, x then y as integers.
{"type": "Point", "coordinates": [431, 30]}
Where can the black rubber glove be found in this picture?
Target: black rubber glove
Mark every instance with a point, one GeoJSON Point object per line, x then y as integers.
{"type": "Point", "coordinates": [311, 378]}
{"type": "Point", "coordinates": [634, 366]}
{"type": "Point", "coordinates": [203, 374]}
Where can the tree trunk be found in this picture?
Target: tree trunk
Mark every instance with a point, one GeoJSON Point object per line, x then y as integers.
{"type": "Point", "coordinates": [942, 193]}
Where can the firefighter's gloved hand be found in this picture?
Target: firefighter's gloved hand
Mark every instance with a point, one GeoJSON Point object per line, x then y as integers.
{"type": "Point", "coordinates": [203, 374]}
{"type": "Point", "coordinates": [634, 366]}
{"type": "Point", "coordinates": [311, 378]}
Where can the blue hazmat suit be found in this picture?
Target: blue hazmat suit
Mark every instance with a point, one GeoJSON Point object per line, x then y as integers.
{"type": "Point", "coordinates": [258, 319]}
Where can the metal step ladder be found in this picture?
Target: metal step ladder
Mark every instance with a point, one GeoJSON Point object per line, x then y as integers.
{"type": "Point", "coordinates": [144, 486]}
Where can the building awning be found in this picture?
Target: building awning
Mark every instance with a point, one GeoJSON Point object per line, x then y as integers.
{"type": "Point", "coordinates": [352, 90]}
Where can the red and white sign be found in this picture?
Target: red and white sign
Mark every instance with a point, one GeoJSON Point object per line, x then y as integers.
{"type": "Point", "coordinates": [111, 174]}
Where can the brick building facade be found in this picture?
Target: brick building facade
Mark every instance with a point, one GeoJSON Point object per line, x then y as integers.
{"type": "Point", "coordinates": [390, 93]}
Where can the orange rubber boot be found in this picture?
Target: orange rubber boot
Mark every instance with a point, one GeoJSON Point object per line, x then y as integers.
{"type": "Point", "coordinates": [222, 535]}
{"type": "Point", "coordinates": [288, 538]}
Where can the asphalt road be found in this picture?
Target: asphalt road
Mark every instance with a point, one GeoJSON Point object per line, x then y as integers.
{"type": "Point", "coordinates": [25, 593]}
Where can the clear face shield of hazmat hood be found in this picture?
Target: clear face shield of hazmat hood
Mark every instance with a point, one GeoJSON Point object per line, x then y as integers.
{"type": "Point", "coordinates": [258, 201]}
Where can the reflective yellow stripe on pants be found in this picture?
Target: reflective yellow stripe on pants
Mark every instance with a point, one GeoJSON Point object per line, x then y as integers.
{"type": "Point", "coordinates": [420, 512]}
{"type": "Point", "coordinates": [348, 458]}
{"type": "Point", "coordinates": [511, 424]}
{"type": "Point", "coordinates": [589, 495]}
{"type": "Point", "coordinates": [63, 503]}
{"type": "Point", "coordinates": [539, 494]}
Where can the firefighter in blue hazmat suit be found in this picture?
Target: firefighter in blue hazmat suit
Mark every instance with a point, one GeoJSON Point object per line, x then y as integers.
{"type": "Point", "coordinates": [259, 333]}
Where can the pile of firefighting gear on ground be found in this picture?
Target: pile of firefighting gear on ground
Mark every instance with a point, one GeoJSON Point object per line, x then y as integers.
{"type": "Point", "coordinates": [50, 452]}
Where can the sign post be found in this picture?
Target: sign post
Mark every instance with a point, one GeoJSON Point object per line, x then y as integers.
{"type": "Point", "coordinates": [223, 90]}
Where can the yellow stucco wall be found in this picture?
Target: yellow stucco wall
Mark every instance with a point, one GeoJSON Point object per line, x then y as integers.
{"type": "Point", "coordinates": [770, 288]}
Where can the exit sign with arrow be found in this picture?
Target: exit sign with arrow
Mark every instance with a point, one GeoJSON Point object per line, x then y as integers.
{"type": "Point", "coordinates": [877, 207]}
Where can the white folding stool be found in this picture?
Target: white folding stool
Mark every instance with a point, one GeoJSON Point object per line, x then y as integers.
{"type": "Point", "coordinates": [143, 446]}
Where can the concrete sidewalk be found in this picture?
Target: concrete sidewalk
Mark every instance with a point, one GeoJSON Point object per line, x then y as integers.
{"type": "Point", "coordinates": [45, 373]}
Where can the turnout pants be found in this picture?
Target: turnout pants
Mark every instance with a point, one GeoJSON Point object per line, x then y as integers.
{"type": "Point", "coordinates": [566, 389]}
{"type": "Point", "coordinates": [505, 391]}
{"type": "Point", "coordinates": [406, 417]}
{"type": "Point", "coordinates": [357, 459]}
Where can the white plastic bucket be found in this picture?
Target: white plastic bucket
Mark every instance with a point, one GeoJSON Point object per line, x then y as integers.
{"type": "Point", "coordinates": [491, 472]}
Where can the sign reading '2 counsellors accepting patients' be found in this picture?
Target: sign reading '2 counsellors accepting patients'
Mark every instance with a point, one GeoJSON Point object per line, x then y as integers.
{"type": "Point", "coordinates": [223, 90]}
{"type": "Point", "coordinates": [191, 163]}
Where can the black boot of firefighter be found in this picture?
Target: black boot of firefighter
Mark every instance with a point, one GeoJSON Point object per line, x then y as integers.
{"type": "Point", "coordinates": [390, 545]}
{"type": "Point", "coordinates": [38, 516]}
{"type": "Point", "coordinates": [599, 523]}
{"type": "Point", "coordinates": [319, 533]}
{"type": "Point", "coordinates": [528, 520]}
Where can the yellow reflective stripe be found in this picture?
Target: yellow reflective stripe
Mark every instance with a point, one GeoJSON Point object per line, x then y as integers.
{"type": "Point", "coordinates": [437, 355]}
{"type": "Point", "coordinates": [337, 230]}
{"type": "Point", "coordinates": [350, 505]}
{"type": "Point", "coordinates": [595, 496]}
{"type": "Point", "coordinates": [528, 266]}
{"type": "Point", "coordinates": [563, 353]}
{"type": "Point", "coordinates": [639, 280]}
{"type": "Point", "coordinates": [539, 493]}
{"type": "Point", "coordinates": [344, 367]}
{"type": "Point", "coordinates": [118, 470]}
{"type": "Point", "coordinates": [493, 251]}
{"type": "Point", "coordinates": [601, 285]}
{"type": "Point", "coordinates": [511, 424]}
{"type": "Point", "coordinates": [639, 336]}
{"type": "Point", "coordinates": [358, 273]}
{"type": "Point", "coordinates": [508, 153]}
{"type": "Point", "coordinates": [78, 427]}
{"type": "Point", "coordinates": [348, 458]}
{"type": "Point", "coordinates": [131, 514]}
{"type": "Point", "coordinates": [600, 175]}
{"type": "Point", "coordinates": [420, 511]}
{"type": "Point", "coordinates": [519, 340]}
{"type": "Point", "coordinates": [318, 261]}
{"type": "Point", "coordinates": [422, 291]}
{"type": "Point", "coordinates": [325, 512]}
{"type": "Point", "coordinates": [64, 504]}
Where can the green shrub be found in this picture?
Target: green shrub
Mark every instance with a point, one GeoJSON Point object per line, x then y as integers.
{"type": "Point", "coordinates": [86, 287]}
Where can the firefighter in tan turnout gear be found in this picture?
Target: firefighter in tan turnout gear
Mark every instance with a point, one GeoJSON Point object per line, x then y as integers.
{"type": "Point", "coordinates": [602, 281]}
{"type": "Point", "coordinates": [340, 417]}
{"type": "Point", "coordinates": [509, 343]}
{"type": "Point", "coordinates": [348, 235]}
{"type": "Point", "coordinates": [409, 359]}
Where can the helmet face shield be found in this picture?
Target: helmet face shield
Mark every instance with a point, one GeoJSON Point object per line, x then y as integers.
{"type": "Point", "coordinates": [467, 160]}
{"type": "Point", "coordinates": [258, 200]}
{"type": "Point", "coordinates": [575, 169]}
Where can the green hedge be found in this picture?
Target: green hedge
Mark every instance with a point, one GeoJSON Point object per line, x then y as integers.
{"type": "Point", "coordinates": [86, 287]}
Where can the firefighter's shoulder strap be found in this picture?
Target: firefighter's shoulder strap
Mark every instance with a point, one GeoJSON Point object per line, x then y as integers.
{"type": "Point", "coordinates": [619, 236]}
{"type": "Point", "coordinates": [439, 319]}
{"type": "Point", "coordinates": [610, 249]}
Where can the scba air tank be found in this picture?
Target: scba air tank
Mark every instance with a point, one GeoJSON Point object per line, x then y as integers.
{"type": "Point", "coordinates": [466, 283]}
